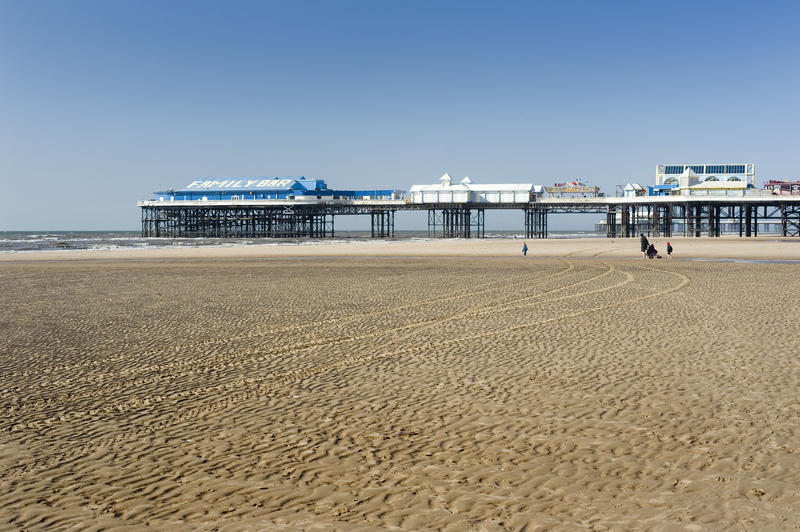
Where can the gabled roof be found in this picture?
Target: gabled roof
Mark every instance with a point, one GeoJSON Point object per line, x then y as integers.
{"type": "Point", "coordinates": [688, 173]}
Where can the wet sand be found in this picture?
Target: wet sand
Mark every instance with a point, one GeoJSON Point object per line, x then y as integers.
{"type": "Point", "coordinates": [474, 391]}
{"type": "Point", "coordinates": [769, 248]}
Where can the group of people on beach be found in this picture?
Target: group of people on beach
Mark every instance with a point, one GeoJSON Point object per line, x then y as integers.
{"type": "Point", "coordinates": [649, 251]}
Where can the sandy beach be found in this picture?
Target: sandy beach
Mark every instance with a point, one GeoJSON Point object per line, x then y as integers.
{"type": "Point", "coordinates": [402, 385]}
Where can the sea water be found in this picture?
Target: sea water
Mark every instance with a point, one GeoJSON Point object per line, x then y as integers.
{"type": "Point", "coordinates": [19, 241]}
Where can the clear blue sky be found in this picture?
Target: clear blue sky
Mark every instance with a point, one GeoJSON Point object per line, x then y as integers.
{"type": "Point", "coordinates": [103, 102]}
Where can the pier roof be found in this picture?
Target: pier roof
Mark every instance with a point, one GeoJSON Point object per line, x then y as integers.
{"type": "Point", "coordinates": [466, 184]}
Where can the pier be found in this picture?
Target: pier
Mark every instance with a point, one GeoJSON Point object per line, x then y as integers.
{"type": "Point", "coordinates": [625, 217]}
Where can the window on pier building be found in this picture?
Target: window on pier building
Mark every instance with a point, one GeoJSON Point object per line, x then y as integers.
{"type": "Point", "coordinates": [674, 169]}
{"type": "Point", "coordinates": [715, 169]}
{"type": "Point", "coordinates": [734, 169]}
{"type": "Point", "coordinates": [698, 169]}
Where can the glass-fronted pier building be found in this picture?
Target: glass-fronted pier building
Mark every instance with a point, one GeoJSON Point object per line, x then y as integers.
{"type": "Point", "coordinates": [667, 174]}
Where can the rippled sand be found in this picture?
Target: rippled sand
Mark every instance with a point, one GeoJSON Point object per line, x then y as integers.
{"type": "Point", "coordinates": [376, 393]}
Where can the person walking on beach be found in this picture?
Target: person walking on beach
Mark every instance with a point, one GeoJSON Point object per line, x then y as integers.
{"type": "Point", "coordinates": [524, 249]}
{"type": "Point", "coordinates": [669, 250]}
{"type": "Point", "coordinates": [645, 244]}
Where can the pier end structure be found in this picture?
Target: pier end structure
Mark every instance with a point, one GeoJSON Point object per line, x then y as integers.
{"type": "Point", "coordinates": [263, 207]}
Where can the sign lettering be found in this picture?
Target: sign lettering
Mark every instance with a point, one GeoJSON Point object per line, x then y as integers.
{"type": "Point", "coordinates": [239, 183]}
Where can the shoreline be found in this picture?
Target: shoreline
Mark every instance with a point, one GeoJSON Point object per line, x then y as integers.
{"type": "Point", "coordinates": [771, 248]}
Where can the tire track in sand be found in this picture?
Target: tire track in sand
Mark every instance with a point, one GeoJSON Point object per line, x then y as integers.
{"type": "Point", "coordinates": [258, 387]}
{"type": "Point", "coordinates": [285, 329]}
{"type": "Point", "coordinates": [213, 364]}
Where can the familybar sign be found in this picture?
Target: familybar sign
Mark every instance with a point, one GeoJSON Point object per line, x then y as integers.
{"type": "Point", "coordinates": [239, 183]}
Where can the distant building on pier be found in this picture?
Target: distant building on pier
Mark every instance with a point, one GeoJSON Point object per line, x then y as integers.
{"type": "Point", "coordinates": [782, 187]}
{"type": "Point", "coordinates": [704, 180]}
{"type": "Point", "coordinates": [573, 189]}
{"type": "Point", "coordinates": [266, 188]}
{"type": "Point", "coordinates": [669, 174]}
{"type": "Point", "coordinates": [465, 191]}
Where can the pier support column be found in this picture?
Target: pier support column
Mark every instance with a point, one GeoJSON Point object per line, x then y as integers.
{"type": "Point", "coordinates": [633, 222]}
{"type": "Point", "coordinates": [657, 220]}
{"type": "Point", "coordinates": [711, 220]}
{"type": "Point", "coordinates": [741, 215]}
{"type": "Point", "coordinates": [748, 220]}
{"type": "Point", "coordinates": [790, 219]}
{"type": "Point", "coordinates": [755, 220]}
{"type": "Point", "coordinates": [689, 220]}
{"type": "Point", "coordinates": [696, 215]}
{"type": "Point", "coordinates": [530, 222]}
{"type": "Point", "coordinates": [541, 222]}
{"type": "Point", "coordinates": [625, 219]}
{"type": "Point", "coordinates": [667, 220]}
{"type": "Point", "coordinates": [536, 222]}
{"type": "Point", "coordinates": [611, 221]}
{"type": "Point", "coordinates": [689, 227]}
{"type": "Point", "coordinates": [456, 223]}
{"type": "Point", "coordinates": [382, 223]}
{"type": "Point", "coordinates": [662, 220]}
